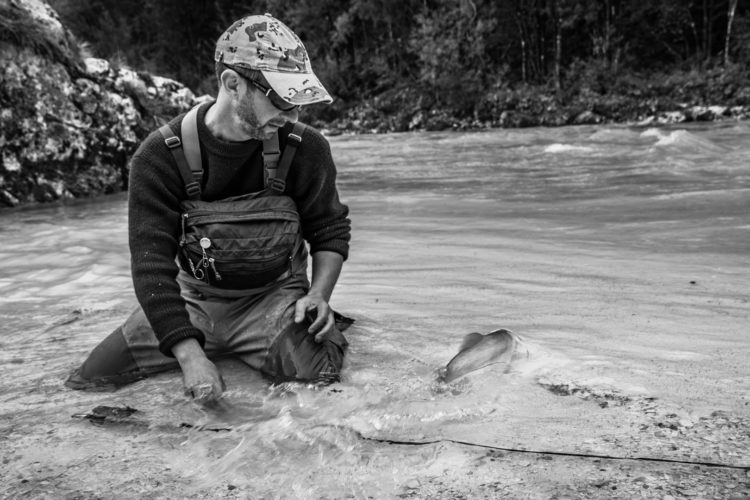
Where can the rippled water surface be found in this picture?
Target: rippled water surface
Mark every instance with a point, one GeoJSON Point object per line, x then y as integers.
{"type": "Point", "coordinates": [619, 255]}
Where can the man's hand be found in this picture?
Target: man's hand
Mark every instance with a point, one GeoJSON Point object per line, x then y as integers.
{"type": "Point", "coordinates": [202, 380]}
{"type": "Point", "coordinates": [325, 272]}
{"type": "Point", "coordinates": [319, 312]}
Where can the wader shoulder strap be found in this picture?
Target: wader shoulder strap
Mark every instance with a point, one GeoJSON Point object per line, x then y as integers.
{"type": "Point", "coordinates": [271, 155]}
{"type": "Point", "coordinates": [186, 153]}
{"type": "Point", "coordinates": [192, 144]}
{"type": "Point", "coordinates": [277, 181]}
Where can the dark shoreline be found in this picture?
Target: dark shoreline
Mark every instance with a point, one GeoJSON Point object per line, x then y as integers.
{"type": "Point", "coordinates": [443, 122]}
{"type": "Point", "coordinates": [372, 117]}
{"type": "Point", "coordinates": [593, 98]}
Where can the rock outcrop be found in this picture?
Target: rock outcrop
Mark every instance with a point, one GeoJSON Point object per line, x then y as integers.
{"type": "Point", "coordinates": [69, 123]}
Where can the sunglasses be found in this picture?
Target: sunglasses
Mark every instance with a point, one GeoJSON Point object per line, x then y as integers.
{"type": "Point", "coordinates": [275, 98]}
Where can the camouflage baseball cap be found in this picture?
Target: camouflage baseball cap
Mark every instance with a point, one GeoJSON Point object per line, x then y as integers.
{"type": "Point", "coordinates": [266, 44]}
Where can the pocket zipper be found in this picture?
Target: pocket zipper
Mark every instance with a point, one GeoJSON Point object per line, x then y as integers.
{"type": "Point", "coordinates": [212, 217]}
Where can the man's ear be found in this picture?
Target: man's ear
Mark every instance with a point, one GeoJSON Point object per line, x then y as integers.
{"type": "Point", "coordinates": [230, 80]}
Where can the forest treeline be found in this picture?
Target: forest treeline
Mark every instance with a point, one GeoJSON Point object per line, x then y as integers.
{"type": "Point", "coordinates": [462, 59]}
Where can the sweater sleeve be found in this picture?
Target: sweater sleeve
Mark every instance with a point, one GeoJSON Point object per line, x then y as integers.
{"type": "Point", "coordinates": [325, 222]}
{"type": "Point", "coordinates": [154, 195]}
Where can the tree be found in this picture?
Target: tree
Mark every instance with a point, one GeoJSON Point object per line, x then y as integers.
{"type": "Point", "coordinates": [455, 52]}
{"type": "Point", "coordinates": [730, 21]}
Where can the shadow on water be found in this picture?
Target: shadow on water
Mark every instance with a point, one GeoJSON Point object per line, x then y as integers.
{"type": "Point", "coordinates": [617, 253]}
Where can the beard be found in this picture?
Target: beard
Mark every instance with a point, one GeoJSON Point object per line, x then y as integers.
{"type": "Point", "coordinates": [250, 123]}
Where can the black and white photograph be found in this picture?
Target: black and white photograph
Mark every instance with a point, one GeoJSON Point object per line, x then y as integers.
{"type": "Point", "coordinates": [375, 249]}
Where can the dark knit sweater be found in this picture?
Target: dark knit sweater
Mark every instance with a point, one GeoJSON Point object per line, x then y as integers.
{"type": "Point", "coordinates": [230, 169]}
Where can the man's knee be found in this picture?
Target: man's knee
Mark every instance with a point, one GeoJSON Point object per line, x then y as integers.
{"type": "Point", "coordinates": [294, 355]}
{"type": "Point", "coordinates": [109, 365]}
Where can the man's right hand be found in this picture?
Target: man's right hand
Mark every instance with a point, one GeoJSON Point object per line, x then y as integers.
{"type": "Point", "coordinates": [203, 382]}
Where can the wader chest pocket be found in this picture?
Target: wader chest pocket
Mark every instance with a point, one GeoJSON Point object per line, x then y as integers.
{"type": "Point", "coordinates": [244, 242]}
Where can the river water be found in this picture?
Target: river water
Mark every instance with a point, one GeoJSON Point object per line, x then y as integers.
{"type": "Point", "coordinates": [618, 254]}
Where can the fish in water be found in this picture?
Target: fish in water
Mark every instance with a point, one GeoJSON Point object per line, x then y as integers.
{"type": "Point", "coordinates": [478, 351]}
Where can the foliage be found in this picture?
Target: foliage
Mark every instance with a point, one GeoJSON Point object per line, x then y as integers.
{"type": "Point", "coordinates": [454, 55]}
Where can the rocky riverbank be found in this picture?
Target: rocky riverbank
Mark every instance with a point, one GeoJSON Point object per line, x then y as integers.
{"type": "Point", "coordinates": [69, 123]}
{"type": "Point", "coordinates": [712, 95]}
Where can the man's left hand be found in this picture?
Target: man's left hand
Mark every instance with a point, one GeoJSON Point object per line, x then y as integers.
{"type": "Point", "coordinates": [318, 310]}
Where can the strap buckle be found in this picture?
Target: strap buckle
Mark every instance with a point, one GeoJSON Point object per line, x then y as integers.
{"type": "Point", "coordinates": [173, 142]}
{"type": "Point", "coordinates": [276, 184]}
{"type": "Point", "coordinates": [294, 137]}
{"type": "Point", "coordinates": [193, 189]}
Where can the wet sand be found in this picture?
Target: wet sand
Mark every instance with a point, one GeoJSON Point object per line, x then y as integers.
{"type": "Point", "coordinates": [632, 304]}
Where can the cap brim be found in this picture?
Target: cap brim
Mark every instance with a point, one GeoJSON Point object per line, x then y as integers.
{"type": "Point", "coordinates": [297, 88]}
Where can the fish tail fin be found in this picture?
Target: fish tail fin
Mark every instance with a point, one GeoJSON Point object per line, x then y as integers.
{"type": "Point", "coordinates": [470, 340]}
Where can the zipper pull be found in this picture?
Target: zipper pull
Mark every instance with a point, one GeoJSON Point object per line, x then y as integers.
{"type": "Point", "coordinates": [213, 266]}
{"type": "Point", "coordinates": [183, 239]}
{"type": "Point", "coordinates": [206, 260]}
{"type": "Point", "coordinates": [197, 271]}
{"type": "Point", "coordinates": [205, 244]}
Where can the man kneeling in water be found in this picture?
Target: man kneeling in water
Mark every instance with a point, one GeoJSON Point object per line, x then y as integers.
{"type": "Point", "coordinates": [218, 257]}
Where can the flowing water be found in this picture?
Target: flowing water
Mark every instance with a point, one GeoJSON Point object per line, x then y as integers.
{"type": "Point", "coordinates": [618, 254]}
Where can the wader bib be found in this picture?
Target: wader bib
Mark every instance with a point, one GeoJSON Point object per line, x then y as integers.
{"type": "Point", "coordinates": [244, 241]}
